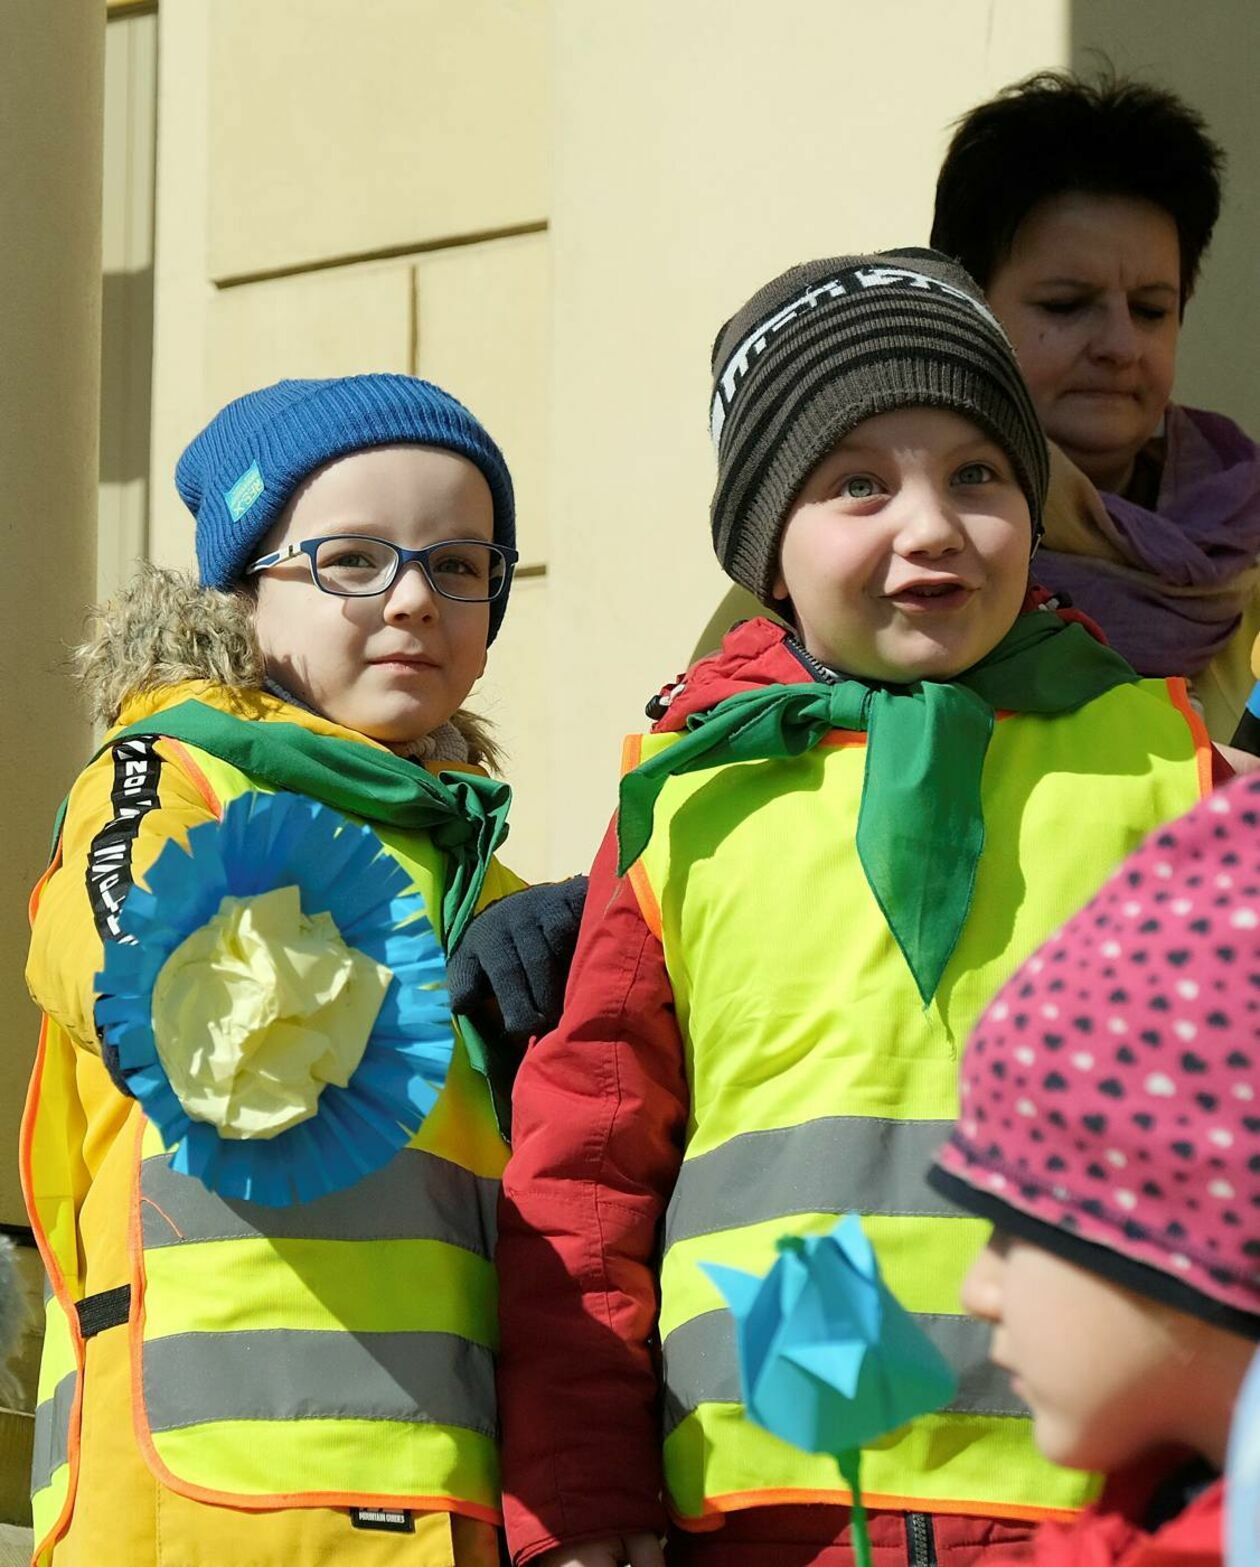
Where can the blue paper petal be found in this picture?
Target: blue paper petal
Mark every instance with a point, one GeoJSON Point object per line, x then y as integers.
{"type": "Point", "coordinates": [829, 1359]}
{"type": "Point", "coordinates": [851, 1239]}
{"type": "Point", "coordinates": [263, 842]}
{"type": "Point", "coordinates": [836, 1365]}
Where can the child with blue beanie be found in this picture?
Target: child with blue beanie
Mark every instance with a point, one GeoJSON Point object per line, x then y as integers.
{"type": "Point", "coordinates": [260, 1158]}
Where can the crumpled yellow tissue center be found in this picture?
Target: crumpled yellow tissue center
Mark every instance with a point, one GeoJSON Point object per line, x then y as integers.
{"type": "Point", "coordinates": [256, 1012]}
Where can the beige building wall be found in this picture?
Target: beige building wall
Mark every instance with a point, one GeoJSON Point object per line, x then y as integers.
{"type": "Point", "coordinates": [130, 141]}
{"type": "Point", "coordinates": [51, 72]}
{"type": "Point", "coordinates": [699, 149]}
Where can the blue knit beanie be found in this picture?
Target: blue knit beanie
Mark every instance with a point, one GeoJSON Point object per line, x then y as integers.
{"type": "Point", "coordinates": [237, 476]}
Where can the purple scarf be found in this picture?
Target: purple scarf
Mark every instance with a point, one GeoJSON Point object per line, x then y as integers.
{"type": "Point", "coordinates": [1167, 586]}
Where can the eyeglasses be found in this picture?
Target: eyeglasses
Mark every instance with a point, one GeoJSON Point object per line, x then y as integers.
{"type": "Point", "coordinates": [355, 565]}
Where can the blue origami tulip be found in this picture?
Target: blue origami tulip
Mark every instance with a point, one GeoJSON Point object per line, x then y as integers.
{"type": "Point", "coordinates": [264, 842]}
{"type": "Point", "coordinates": [829, 1359]}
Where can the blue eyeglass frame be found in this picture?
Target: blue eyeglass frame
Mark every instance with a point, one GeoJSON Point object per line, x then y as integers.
{"type": "Point", "coordinates": [402, 558]}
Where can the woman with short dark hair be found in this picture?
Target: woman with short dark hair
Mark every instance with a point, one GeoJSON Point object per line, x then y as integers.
{"type": "Point", "coordinates": [1084, 209]}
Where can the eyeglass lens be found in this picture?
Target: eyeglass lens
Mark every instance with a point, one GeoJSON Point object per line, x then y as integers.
{"type": "Point", "coordinates": [352, 566]}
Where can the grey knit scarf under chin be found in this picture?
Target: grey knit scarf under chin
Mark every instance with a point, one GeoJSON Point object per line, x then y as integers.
{"type": "Point", "coordinates": [443, 744]}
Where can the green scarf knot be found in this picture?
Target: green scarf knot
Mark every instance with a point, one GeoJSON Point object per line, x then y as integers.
{"type": "Point", "coordinates": [920, 828]}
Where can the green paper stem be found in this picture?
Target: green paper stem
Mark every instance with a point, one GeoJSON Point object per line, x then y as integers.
{"type": "Point", "coordinates": [851, 1468]}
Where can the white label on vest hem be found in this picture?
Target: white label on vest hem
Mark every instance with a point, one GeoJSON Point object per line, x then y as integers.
{"type": "Point", "coordinates": [383, 1518]}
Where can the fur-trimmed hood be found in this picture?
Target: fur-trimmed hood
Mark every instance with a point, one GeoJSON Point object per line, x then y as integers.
{"type": "Point", "coordinates": [164, 628]}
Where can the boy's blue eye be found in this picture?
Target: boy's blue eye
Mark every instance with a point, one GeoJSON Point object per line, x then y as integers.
{"type": "Point", "coordinates": [858, 487]}
{"type": "Point", "coordinates": [975, 473]}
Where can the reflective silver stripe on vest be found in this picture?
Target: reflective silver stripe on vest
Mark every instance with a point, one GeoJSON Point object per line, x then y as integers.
{"type": "Point", "coordinates": [417, 1196]}
{"type": "Point", "coordinates": [52, 1433]}
{"type": "Point", "coordinates": [702, 1366]}
{"type": "Point", "coordinates": [287, 1374]}
{"type": "Point", "coordinates": [839, 1164]}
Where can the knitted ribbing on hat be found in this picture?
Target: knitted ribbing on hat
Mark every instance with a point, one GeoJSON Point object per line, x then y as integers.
{"type": "Point", "coordinates": [1111, 1091]}
{"type": "Point", "coordinates": [831, 343]}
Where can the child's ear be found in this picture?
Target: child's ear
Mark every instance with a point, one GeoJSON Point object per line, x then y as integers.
{"type": "Point", "coordinates": [778, 588]}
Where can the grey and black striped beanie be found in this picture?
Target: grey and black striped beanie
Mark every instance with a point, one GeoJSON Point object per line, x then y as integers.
{"type": "Point", "coordinates": [833, 342]}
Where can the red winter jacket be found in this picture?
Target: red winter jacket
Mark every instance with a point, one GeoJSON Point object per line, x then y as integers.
{"type": "Point", "coordinates": [599, 1113]}
{"type": "Point", "coordinates": [599, 1117]}
{"type": "Point", "coordinates": [1107, 1535]}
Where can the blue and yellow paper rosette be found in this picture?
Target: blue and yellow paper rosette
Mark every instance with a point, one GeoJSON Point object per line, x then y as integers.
{"type": "Point", "coordinates": [276, 1001]}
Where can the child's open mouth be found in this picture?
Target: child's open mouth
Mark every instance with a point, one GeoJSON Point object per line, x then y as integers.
{"type": "Point", "coordinates": [931, 597]}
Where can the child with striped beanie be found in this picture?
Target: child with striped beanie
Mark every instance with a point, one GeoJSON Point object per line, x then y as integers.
{"type": "Point", "coordinates": [1110, 1130]}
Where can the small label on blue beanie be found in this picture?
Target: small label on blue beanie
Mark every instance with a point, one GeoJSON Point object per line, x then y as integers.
{"type": "Point", "coordinates": [244, 492]}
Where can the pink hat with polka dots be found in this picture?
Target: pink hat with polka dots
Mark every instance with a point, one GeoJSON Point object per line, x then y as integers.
{"type": "Point", "coordinates": [1110, 1095]}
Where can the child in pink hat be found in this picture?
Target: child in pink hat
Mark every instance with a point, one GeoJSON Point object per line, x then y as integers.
{"type": "Point", "coordinates": [1110, 1131]}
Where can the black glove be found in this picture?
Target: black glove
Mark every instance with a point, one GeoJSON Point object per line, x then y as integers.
{"type": "Point", "coordinates": [515, 957]}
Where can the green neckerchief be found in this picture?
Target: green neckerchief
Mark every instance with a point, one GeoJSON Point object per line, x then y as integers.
{"type": "Point", "coordinates": [464, 813]}
{"type": "Point", "coordinates": [920, 826]}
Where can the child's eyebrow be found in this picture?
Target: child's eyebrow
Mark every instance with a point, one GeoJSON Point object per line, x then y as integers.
{"type": "Point", "coordinates": [353, 524]}
{"type": "Point", "coordinates": [847, 445]}
{"type": "Point", "coordinates": [845, 448]}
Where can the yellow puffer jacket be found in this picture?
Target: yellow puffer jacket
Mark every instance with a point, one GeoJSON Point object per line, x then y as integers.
{"type": "Point", "coordinates": [223, 1382]}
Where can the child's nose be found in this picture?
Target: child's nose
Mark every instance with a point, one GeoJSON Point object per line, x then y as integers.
{"type": "Point", "coordinates": [930, 525]}
{"type": "Point", "coordinates": [982, 1287]}
{"type": "Point", "coordinates": [409, 596]}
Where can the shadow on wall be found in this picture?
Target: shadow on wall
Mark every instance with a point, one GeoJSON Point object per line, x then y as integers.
{"type": "Point", "coordinates": [126, 378]}
{"type": "Point", "coordinates": [1205, 52]}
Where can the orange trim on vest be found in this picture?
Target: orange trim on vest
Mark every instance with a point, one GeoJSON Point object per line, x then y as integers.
{"type": "Point", "coordinates": [179, 754]}
{"type": "Point", "coordinates": [26, 1137]}
{"type": "Point", "coordinates": [52, 1268]}
{"type": "Point", "coordinates": [1179, 696]}
{"type": "Point", "coordinates": [715, 1507]}
{"type": "Point", "coordinates": [33, 901]}
{"type": "Point", "coordinates": [200, 1493]}
{"type": "Point", "coordinates": [637, 876]}
{"type": "Point", "coordinates": [842, 737]}
{"type": "Point", "coordinates": [641, 886]}
{"type": "Point", "coordinates": [834, 739]}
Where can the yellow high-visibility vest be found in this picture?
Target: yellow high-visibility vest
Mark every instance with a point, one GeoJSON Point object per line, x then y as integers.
{"type": "Point", "coordinates": [821, 1085]}
{"type": "Point", "coordinates": [337, 1353]}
